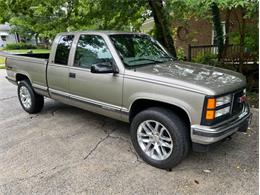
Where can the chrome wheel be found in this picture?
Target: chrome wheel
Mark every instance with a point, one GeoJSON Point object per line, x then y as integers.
{"type": "Point", "coordinates": [154, 140]}
{"type": "Point", "coordinates": [25, 97]}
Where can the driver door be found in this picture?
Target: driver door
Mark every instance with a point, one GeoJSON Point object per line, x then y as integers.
{"type": "Point", "coordinates": [101, 93]}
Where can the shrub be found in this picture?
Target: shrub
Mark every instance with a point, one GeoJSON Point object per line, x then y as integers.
{"type": "Point", "coordinates": [206, 58]}
{"type": "Point", "coordinates": [181, 54]}
{"type": "Point", "coordinates": [13, 46]}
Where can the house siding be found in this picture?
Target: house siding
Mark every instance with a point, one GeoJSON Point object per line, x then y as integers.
{"type": "Point", "coordinates": [199, 32]}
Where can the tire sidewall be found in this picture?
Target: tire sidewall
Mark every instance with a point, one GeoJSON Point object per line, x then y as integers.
{"type": "Point", "coordinates": [29, 88]}
{"type": "Point", "coordinates": [174, 130]}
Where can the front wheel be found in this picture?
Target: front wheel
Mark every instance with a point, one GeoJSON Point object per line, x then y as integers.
{"type": "Point", "coordinates": [160, 137]}
{"type": "Point", "coordinates": [30, 101]}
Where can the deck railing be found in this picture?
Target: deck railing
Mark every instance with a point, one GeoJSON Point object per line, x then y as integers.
{"type": "Point", "coordinates": [231, 54]}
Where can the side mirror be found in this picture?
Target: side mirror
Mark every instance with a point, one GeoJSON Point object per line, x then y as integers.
{"type": "Point", "coordinates": [103, 68]}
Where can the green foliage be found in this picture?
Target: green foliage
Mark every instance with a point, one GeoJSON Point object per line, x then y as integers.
{"type": "Point", "coordinates": [19, 46]}
{"type": "Point", "coordinates": [203, 6]}
{"type": "Point", "coordinates": [251, 39]}
{"type": "Point", "coordinates": [180, 54]}
{"type": "Point", "coordinates": [47, 18]}
{"type": "Point", "coordinates": [206, 58]}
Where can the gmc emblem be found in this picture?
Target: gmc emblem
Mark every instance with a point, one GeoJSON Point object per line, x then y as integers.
{"type": "Point", "coordinates": [242, 99]}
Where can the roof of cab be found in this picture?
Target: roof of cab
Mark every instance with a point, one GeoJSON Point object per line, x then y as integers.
{"type": "Point", "coordinates": [106, 32]}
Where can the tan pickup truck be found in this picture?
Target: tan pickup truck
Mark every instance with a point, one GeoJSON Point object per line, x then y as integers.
{"type": "Point", "coordinates": [172, 106]}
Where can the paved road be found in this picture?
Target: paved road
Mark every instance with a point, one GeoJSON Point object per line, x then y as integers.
{"type": "Point", "coordinates": [65, 150]}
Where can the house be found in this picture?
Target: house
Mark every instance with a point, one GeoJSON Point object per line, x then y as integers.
{"type": "Point", "coordinates": [6, 36]}
{"type": "Point", "coordinates": [197, 34]}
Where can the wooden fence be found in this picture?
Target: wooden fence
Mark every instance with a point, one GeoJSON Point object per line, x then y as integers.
{"type": "Point", "coordinates": [232, 53]}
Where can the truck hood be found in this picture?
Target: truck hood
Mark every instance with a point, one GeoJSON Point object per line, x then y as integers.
{"type": "Point", "coordinates": [202, 78]}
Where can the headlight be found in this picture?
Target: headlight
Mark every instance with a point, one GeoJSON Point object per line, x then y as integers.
{"type": "Point", "coordinates": [217, 107]}
{"type": "Point", "coordinates": [223, 100]}
{"type": "Point", "coordinates": [222, 111]}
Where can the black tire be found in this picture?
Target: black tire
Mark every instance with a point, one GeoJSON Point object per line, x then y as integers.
{"type": "Point", "coordinates": [178, 130]}
{"type": "Point", "coordinates": [37, 101]}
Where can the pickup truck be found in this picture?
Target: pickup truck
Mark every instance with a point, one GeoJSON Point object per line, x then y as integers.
{"type": "Point", "coordinates": [172, 106]}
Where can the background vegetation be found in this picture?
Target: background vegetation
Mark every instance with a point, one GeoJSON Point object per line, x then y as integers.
{"type": "Point", "coordinates": [44, 19]}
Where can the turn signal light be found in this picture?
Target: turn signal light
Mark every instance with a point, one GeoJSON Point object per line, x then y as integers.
{"type": "Point", "coordinates": [211, 103]}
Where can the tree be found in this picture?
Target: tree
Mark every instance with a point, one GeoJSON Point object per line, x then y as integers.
{"type": "Point", "coordinates": [218, 28]}
{"type": "Point", "coordinates": [244, 9]}
{"type": "Point", "coordinates": [125, 14]}
{"type": "Point", "coordinates": [47, 18]}
{"type": "Point", "coordinates": [163, 31]}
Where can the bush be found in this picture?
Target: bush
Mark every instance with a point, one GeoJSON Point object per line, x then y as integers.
{"type": "Point", "coordinates": [20, 46]}
{"type": "Point", "coordinates": [206, 58]}
{"type": "Point", "coordinates": [180, 54]}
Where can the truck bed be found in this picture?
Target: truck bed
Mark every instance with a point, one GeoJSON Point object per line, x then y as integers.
{"type": "Point", "coordinates": [31, 65]}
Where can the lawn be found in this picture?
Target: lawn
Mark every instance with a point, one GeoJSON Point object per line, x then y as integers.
{"type": "Point", "coordinates": [21, 51]}
{"type": "Point", "coordinates": [2, 61]}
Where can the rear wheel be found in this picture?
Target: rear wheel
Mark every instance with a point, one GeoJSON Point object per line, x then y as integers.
{"type": "Point", "coordinates": [160, 137]}
{"type": "Point", "coordinates": [30, 101]}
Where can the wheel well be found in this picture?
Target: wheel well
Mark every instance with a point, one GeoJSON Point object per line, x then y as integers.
{"type": "Point", "coordinates": [142, 104]}
{"type": "Point", "coordinates": [21, 77]}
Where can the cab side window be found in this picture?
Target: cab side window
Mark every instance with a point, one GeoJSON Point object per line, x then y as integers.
{"type": "Point", "coordinates": [91, 49]}
{"type": "Point", "coordinates": [63, 50]}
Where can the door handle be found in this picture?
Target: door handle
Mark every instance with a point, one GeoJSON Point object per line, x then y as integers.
{"type": "Point", "coordinates": [72, 75]}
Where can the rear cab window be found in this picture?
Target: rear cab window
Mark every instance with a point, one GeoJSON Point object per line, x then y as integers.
{"type": "Point", "coordinates": [63, 49]}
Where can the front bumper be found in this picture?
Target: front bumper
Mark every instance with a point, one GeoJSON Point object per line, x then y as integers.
{"type": "Point", "coordinates": [207, 135]}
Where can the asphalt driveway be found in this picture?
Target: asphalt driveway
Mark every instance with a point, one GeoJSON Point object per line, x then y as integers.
{"type": "Point", "coordinates": [66, 150]}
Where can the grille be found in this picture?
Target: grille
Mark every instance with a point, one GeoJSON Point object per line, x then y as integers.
{"type": "Point", "coordinates": [237, 106]}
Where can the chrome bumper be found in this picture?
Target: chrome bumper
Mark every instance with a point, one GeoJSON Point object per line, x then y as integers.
{"type": "Point", "coordinates": [208, 135]}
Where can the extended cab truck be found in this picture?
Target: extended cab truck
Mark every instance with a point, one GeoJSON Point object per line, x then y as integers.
{"type": "Point", "coordinates": [172, 106]}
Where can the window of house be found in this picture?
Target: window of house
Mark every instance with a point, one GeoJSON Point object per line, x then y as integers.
{"type": "Point", "coordinates": [63, 50]}
{"type": "Point", "coordinates": [91, 49]}
{"type": "Point", "coordinates": [3, 37]}
{"type": "Point", "coordinates": [214, 34]}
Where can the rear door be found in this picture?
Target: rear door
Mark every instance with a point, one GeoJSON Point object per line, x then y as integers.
{"type": "Point", "coordinates": [58, 69]}
{"type": "Point", "coordinates": [101, 93]}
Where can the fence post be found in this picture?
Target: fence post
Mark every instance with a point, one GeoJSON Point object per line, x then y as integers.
{"type": "Point", "coordinates": [189, 52]}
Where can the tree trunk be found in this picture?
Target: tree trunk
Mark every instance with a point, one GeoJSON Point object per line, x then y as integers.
{"type": "Point", "coordinates": [18, 37]}
{"type": "Point", "coordinates": [242, 40]}
{"type": "Point", "coordinates": [218, 28]}
{"type": "Point", "coordinates": [162, 27]}
{"type": "Point", "coordinates": [227, 22]}
{"type": "Point", "coordinates": [36, 39]}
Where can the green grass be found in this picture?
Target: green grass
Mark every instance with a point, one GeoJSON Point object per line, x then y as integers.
{"type": "Point", "coordinates": [2, 60]}
{"type": "Point", "coordinates": [21, 51]}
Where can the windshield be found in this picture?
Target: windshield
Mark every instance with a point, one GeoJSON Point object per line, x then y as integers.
{"type": "Point", "coordinates": [139, 50]}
